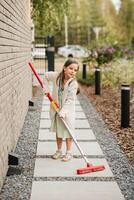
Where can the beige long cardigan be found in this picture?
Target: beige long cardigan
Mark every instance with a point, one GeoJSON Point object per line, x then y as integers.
{"type": "Point", "coordinates": [68, 97]}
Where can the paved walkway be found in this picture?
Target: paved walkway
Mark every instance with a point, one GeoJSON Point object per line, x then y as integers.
{"type": "Point", "coordinates": [57, 180]}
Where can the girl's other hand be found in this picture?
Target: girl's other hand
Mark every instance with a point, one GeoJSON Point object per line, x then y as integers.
{"type": "Point", "coordinates": [46, 94]}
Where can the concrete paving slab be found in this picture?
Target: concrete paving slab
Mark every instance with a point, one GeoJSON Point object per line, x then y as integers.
{"type": "Point", "coordinates": [45, 108]}
{"type": "Point", "coordinates": [78, 115]}
{"type": "Point", "coordinates": [89, 148]}
{"type": "Point", "coordinates": [76, 190]}
{"type": "Point", "coordinates": [45, 115]}
{"type": "Point", "coordinates": [78, 108]}
{"type": "Point", "coordinates": [45, 123]}
{"type": "Point", "coordinates": [77, 102]}
{"type": "Point", "coordinates": [46, 101]}
{"type": "Point", "coordinates": [84, 134]}
{"type": "Point", "coordinates": [80, 134]}
{"type": "Point", "coordinates": [45, 98]}
{"type": "Point", "coordinates": [79, 124]}
{"type": "Point", "coordinates": [82, 124]}
{"type": "Point", "coordinates": [48, 167]}
{"type": "Point", "coordinates": [45, 134]}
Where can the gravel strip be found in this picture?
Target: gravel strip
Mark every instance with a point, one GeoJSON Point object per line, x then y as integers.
{"type": "Point", "coordinates": [18, 187]}
{"type": "Point", "coordinates": [118, 162]}
{"type": "Point", "coordinates": [111, 179]}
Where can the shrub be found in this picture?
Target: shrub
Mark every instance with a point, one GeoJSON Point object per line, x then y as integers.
{"type": "Point", "coordinates": [101, 55]}
{"type": "Point", "coordinates": [120, 72]}
{"type": "Point", "coordinates": [88, 81]}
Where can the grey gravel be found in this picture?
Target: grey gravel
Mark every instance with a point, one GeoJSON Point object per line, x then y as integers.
{"type": "Point", "coordinates": [18, 187]}
{"type": "Point", "coordinates": [118, 162]}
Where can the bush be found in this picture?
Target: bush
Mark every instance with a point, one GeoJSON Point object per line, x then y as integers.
{"type": "Point", "coordinates": [104, 55]}
{"type": "Point", "coordinates": [128, 53]}
{"type": "Point", "coordinates": [89, 81]}
{"type": "Point", "coordinates": [120, 72]}
{"type": "Point", "coordinates": [101, 55]}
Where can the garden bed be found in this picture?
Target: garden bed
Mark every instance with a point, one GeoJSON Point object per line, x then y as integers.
{"type": "Point", "coordinates": [108, 105]}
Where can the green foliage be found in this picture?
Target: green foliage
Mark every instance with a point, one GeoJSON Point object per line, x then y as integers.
{"type": "Point", "coordinates": [88, 81]}
{"type": "Point", "coordinates": [125, 21]}
{"type": "Point", "coordinates": [120, 72]}
{"type": "Point", "coordinates": [47, 16]}
{"type": "Point", "coordinates": [101, 55]}
{"type": "Point", "coordinates": [104, 55]}
{"type": "Point", "coordinates": [96, 19]}
{"type": "Point", "coordinates": [83, 16]}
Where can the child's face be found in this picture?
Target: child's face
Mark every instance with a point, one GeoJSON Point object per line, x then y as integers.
{"type": "Point", "coordinates": [70, 71]}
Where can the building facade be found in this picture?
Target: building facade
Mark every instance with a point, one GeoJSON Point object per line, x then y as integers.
{"type": "Point", "coordinates": [15, 75]}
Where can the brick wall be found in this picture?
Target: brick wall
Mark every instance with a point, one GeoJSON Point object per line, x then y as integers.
{"type": "Point", "coordinates": [15, 76]}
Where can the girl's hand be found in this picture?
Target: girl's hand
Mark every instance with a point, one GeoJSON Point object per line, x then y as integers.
{"type": "Point", "coordinates": [60, 116]}
{"type": "Point", "coordinates": [46, 94]}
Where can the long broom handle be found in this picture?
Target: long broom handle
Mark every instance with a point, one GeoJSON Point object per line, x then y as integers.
{"type": "Point", "coordinates": [75, 141]}
{"type": "Point", "coordinates": [56, 108]}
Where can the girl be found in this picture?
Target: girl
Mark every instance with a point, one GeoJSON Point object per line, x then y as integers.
{"type": "Point", "coordinates": [64, 92]}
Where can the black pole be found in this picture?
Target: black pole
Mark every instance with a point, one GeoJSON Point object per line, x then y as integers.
{"type": "Point", "coordinates": [84, 74]}
{"type": "Point", "coordinates": [97, 81]}
{"type": "Point", "coordinates": [125, 106]}
{"type": "Point", "coordinates": [50, 53]}
{"type": "Point", "coordinates": [45, 42]}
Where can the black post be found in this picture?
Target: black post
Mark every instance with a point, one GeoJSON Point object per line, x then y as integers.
{"type": "Point", "coordinates": [125, 106]}
{"type": "Point", "coordinates": [97, 81]}
{"type": "Point", "coordinates": [84, 74]}
{"type": "Point", "coordinates": [45, 42]}
{"type": "Point", "coordinates": [13, 159]}
{"type": "Point", "coordinates": [50, 53]}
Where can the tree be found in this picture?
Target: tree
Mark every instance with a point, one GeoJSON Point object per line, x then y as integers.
{"type": "Point", "coordinates": [126, 21]}
{"type": "Point", "coordinates": [47, 16]}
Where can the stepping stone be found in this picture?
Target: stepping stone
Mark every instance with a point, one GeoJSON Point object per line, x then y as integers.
{"type": "Point", "coordinates": [45, 115]}
{"type": "Point", "coordinates": [47, 102]}
{"type": "Point", "coordinates": [45, 123]}
{"type": "Point", "coordinates": [82, 124]}
{"type": "Point", "coordinates": [45, 108]}
{"type": "Point", "coordinates": [45, 134]}
{"type": "Point", "coordinates": [79, 124]}
{"type": "Point", "coordinates": [76, 190]}
{"type": "Point", "coordinates": [77, 102]}
{"type": "Point", "coordinates": [78, 108]}
{"type": "Point", "coordinates": [78, 115]}
{"type": "Point", "coordinates": [48, 167]}
{"type": "Point", "coordinates": [86, 134]}
{"type": "Point", "coordinates": [45, 98]}
{"type": "Point", "coordinates": [89, 148]}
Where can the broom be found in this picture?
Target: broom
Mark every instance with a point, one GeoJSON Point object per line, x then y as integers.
{"type": "Point", "coordinates": [89, 167]}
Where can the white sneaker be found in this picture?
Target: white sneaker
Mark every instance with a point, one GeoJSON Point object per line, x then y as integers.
{"type": "Point", "coordinates": [67, 157]}
{"type": "Point", "coordinates": [57, 155]}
